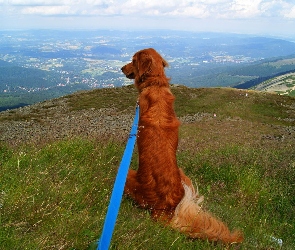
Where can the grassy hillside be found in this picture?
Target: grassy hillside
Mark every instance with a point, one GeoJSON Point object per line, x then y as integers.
{"type": "Point", "coordinates": [283, 85]}
{"type": "Point", "coordinates": [59, 159]}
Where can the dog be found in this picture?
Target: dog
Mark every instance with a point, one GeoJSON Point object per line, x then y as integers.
{"type": "Point", "coordinates": [159, 185]}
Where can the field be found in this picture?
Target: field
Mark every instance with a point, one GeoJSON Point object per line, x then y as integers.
{"type": "Point", "coordinates": [236, 145]}
{"type": "Point", "coordinates": [283, 85]}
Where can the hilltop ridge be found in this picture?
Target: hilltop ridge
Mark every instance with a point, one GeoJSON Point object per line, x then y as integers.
{"type": "Point", "coordinates": [109, 112]}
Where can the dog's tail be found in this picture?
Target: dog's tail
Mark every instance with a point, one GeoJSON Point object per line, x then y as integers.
{"type": "Point", "coordinates": [190, 218]}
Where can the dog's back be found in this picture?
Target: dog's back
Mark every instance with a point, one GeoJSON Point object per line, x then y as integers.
{"type": "Point", "coordinates": [158, 174]}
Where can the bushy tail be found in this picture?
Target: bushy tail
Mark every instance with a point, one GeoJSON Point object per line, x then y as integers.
{"type": "Point", "coordinates": [190, 218]}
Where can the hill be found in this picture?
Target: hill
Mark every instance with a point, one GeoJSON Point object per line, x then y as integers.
{"type": "Point", "coordinates": [59, 159]}
{"type": "Point", "coordinates": [283, 85]}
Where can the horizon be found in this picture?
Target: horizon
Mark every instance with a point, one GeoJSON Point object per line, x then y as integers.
{"type": "Point", "coordinates": [258, 17]}
{"type": "Point", "coordinates": [151, 31]}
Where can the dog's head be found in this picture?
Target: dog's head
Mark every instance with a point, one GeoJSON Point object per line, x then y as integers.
{"type": "Point", "coordinates": [145, 63]}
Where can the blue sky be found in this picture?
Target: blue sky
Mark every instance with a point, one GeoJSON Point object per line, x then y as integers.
{"type": "Point", "coordinates": [259, 17]}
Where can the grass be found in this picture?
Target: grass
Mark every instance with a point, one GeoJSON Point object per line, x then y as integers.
{"type": "Point", "coordinates": [104, 98]}
{"type": "Point", "coordinates": [256, 106]}
{"type": "Point", "coordinates": [55, 196]}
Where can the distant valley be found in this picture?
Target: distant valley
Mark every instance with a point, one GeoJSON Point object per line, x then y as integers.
{"type": "Point", "coordinates": [44, 64]}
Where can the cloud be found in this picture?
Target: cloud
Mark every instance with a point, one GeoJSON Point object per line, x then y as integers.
{"type": "Point", "coordinates": [245, 9]}
{"type": "Point", "coordinates": [290, 13]}
{"type": "Point", "coordinates": [36, 2]}
{"type": "Point", "coordinates": [216, 9]}
{"type": "Point", "coordinates": [49, 10]}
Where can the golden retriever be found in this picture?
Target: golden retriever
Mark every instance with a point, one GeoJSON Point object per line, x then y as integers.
{"type": "Point", "coordinates": [158, 184]}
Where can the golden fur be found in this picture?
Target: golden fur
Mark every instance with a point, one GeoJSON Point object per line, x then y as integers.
{"type": "Point", "coordinates": [158, 184]}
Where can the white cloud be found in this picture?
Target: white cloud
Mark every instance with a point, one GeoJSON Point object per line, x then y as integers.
{"type": "Point", "coordinates": [199, 11]}
{"type": "Point", "coordinates": [36, 2]}
{"type": "Point", "coordinates": [49, 10]}
{"type": "Point", "coordinates": [290, 13]}
{"type": "Point", "coordinates": [222, 9]}
{"type": "Point", "coordinates": [245, 9]}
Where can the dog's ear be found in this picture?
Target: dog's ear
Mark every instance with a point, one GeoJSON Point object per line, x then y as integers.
{"type": "Point", "coordinates": [144, 63]}
{"type": "Point", "coordinates": [165, 64]}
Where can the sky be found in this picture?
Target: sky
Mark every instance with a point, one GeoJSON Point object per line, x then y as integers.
{"type": "Point", "coordinates": [259, 17]}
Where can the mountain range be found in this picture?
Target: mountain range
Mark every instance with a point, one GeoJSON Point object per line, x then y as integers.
{"type": "Point", "coordinates": [43, 64]}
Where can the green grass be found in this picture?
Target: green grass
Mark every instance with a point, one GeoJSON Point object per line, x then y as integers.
{"type": "Point", "coordinates": [225, 102]}
{"type": "Point", "coordinates": [102, 98]}
{"type": "Point", "coordinates": [55, 195]}
{"type": "Point", "coordinates": [249, 191]}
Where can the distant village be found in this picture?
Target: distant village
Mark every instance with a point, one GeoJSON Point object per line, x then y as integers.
{"type": "Point", "coordinates": [93, 72]}
{"type": "Point", "coordinates": [95, 62]}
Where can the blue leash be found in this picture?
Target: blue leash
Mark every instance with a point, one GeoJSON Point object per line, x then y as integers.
{"type": "Point", "coordinates": [112, 213]}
